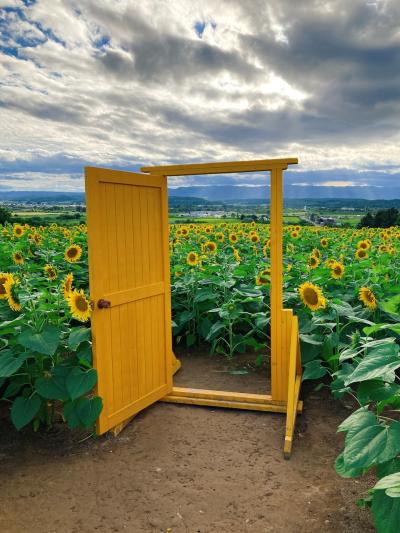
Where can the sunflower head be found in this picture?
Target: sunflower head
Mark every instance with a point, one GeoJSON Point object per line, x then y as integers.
{"type": "Point", "coordinates": [220, 236]}
{"type": "Point", "coordinates": [367, 297]}
{"type": "Point", "coordinates": [312, 296]}
{"type": "Point", "coordinates": [324, 242]}
{"type": "Point", "coordinates": [361, 254]}
{"type": "Point", "coordinates": [192, 258]}
{"type": "Point", "coordinates": [313, 261]}
{"type": "Point", "coordinates": [18, 230]}
{"type": "Point", "coordinates": [363, 245]}
{"type": "Point", "coordinates": [295, 234]}
{"type": "Point", "coordinates": [79, 305]}
{"type": "Point", "coordinates": [337, 270]}
{"type": "Point", "coordinates": [254, 237]}
{"type": "Point", "coordinates": [66, 285]}
{"type": "Point", "coordinates": [233, 237]}
{"type": "Point", "coordinates": [18, 258]}
{"type": "Point", "coordinates": [6, 280]}
{"type": "Point", "coordinates": [210, 247]}
{"type": "Point", "coordinates": [50, 271]}
{"type": "Point", "coordinates": [12, 300]}
{"type": "Point", "coordinates": [73, 253]}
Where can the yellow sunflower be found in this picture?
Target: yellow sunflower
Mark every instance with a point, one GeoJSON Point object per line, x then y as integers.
{"type": "Point", "coordinates": [363, 245]}
{"type": "Point", "coordinates": [317, 253]}
{"type": "Point", "coordinates": [18, 258]}
{"type": "Point", "coordinates": [220, 237]}
{"type": "Point", "coordinates": [337, 270]}
{"type": "Point", "coordinates": [12, 302]}
{"type": "Point", "coordinates": [367, 297]}
{"type": "Point", "coordinates": [254, 237]}
{"type": "Point", "coordinates": [295, 234]}
{"type": "Point", "coordinates": [192, 258]}
{"type": "Point", "coordinates": [236, 255]}
{"type": "Point", "coordinates": [18, 230]}
{"type": "Point", "coordinates": [233, 237]}
{"type": "Point", "coordinates": [5, 281]}
{"type": "Point", "coordinates": [79, 305]}
{"type": "Point", "coordinates": [50, 271]}
{"type": "Point", "coordinates": [361, 254]}
{"type": "Point", "coordinates": [312, 296]}
{"type": "Point", "coordinates": [263, 277]}
{"type": "Point", "coordinates": [313, 261]}
{"type": "Point", "coordinates": [66, 285]}
{"type": "Point", "coordinates": [210, 247]}
{"type": "Point", "coordinates": [73, 253]}
{"type": "Point", "coordinates": [324, 242]}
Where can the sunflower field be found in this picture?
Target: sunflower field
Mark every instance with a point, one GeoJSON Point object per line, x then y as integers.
{"type": "Point", "coordinates": [342, 283]}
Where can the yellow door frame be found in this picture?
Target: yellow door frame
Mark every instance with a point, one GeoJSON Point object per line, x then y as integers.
{"type": "Point", "coordinates": [285, 347]}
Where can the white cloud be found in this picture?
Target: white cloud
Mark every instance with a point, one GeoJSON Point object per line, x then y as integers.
{"type": "Point", "coordinates": [131, 83]}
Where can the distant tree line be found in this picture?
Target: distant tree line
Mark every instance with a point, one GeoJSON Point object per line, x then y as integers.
{"type": "Point", "coordinates": [384, 218]}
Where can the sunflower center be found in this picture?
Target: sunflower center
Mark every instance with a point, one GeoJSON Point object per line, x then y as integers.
{"type": "Point", "coordinates": [72, 252]}
{"type": "Point", "coordinates": [81, 303]}
{"type": "Point", "coordinates": [310, 296]}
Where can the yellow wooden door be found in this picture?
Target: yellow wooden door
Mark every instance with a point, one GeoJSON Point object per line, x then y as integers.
{"type": "Point", "coordinates": [127, 217]}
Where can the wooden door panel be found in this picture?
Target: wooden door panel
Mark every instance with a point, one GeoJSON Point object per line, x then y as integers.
{"type": "Point", "coordinates": [129, 268]}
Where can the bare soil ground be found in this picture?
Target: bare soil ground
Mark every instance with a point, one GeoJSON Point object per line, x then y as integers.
{"type": "Point", "coordinates": [184, 469]}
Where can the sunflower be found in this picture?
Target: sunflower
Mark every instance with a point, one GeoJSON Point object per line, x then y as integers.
{"type": "Point", "coordinates": [313, 261]}
{"type": "Point", "coordinates": [236, 255]}
{"type": "Point", "coordinates": [66, 285]}
{"type": "Point", "coordinates": [18, 230]}
{"type": "Point", "coordinates": [337, 270]}
{"type": "Point", "coordinates": [295, 234]}
{"type": "Point", "coordinates": [12, 302]}
{"type": "Point", "coordinates": [233, 237]}
{"type": "Point", "coordinates": [361, 254]}
{"type": "Point", "coordinates": [363, 245]}
{"type": "Point", "coordinates": [312, 296]}
{"type": "Point", "coordinates": [5, 281]}
{"type": "Point", "coordinates": [210, 247]}
{"type": "Point", "coordinates": [79, 305]}
{"type": "Point", "coordinates": [192, 258]}
{"type": "Point", "coordinates": [254, 237]}
{"type": "Point", "coordinates": [330, 262]}
{"type": "Point", "coordinates": [50, 271]}
{"type": "Point", "coordinates": [220, 237]}
{"type": "Point", "coordinates": [316, 253]}
{"type": "Point", "coordinates": [184, 231]}
{"type": "Point", "coordinates": [18, 258]}
{"type": "Point", "coordinates": [367, 297]}
{"type": "Point", "coordinates": [263, 277]}
{"type": "Point", "coordinates": [73, 253]}
{"type": "Point", "coordinates": [324, 242]}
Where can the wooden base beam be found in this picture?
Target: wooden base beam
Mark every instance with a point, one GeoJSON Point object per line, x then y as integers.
{"type": "Point", "coordinates": [229, 400]}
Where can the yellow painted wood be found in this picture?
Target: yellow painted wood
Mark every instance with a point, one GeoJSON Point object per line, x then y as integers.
{"type": "Point", "coordinates": [294, 383]}
{"type": "Point", "coordinates": [272, 407]}
{"type": "Point", "coordinates": [219, 168]}
{"type": "Point", "coordinates": [176, 364]}
{"type": "Point", "coordinates": [127, 216]}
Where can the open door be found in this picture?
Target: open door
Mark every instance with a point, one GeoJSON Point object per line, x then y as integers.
{"type": "Point", "coordinates": [127, 218]}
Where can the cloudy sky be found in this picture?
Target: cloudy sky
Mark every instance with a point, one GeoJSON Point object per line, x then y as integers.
{"type": "Point", "coordinates": [125, 83]}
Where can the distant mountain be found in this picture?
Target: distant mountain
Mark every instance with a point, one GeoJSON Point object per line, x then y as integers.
{"type": "Point", "coordinates": [189, 196]}
{"type": "Point", "coordinates": [237, 192]}
{"type": "Point", "coordinates": [41, 196]}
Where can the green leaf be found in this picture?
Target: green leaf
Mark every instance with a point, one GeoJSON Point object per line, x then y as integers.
{"type": "Point", "coordinates": [389, 482]}
{"type": "Point", "coordinates": [344, 471]}
{"type": "Point", "coordinates": [215, 329]}
{"type": "Point", "coordinates": [314, 370]}
{"type": "Point", "coordinates": [80, 382]}
{"type": "Point", "coordinates": [392, 306]}
{"type": "Point", "coordinates": [203, 295]}
{"type": "Point", "coordinates": [71, 415]}
{"type": "Point", "coordinates": [378, 364]}
{"type": "Point", "coordinates": [44, 342]}
{"type": "Point", "coordinates": [312, 339]}
{"type": "Point", "coordinates": [376, 391]}
{"type": "Point", "coordinates": [23, 410]}
{"type": "Point", "coordinates": [88, 410]}
{"type": "Point", "coordinates": [190, 339]}
{"type": "Point", "coordinates": [77, 336]}
{"type": "Point", "coordinates": [365, 446]}
{"type": "Point", "coordinates": [386, 512]}
{"type": "Point", "coordinates": [392, 448]}
{"type": "Point", "coordinates": [9, 363]}
{"type": "Point", "coordinates": [53, 387]}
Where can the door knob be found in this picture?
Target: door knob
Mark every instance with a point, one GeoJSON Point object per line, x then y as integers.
{"type": "Point", "coordinates": [103, 304]}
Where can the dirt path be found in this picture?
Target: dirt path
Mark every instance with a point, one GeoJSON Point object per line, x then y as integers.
{"type": "Point", "coordinates": [190, 469]}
